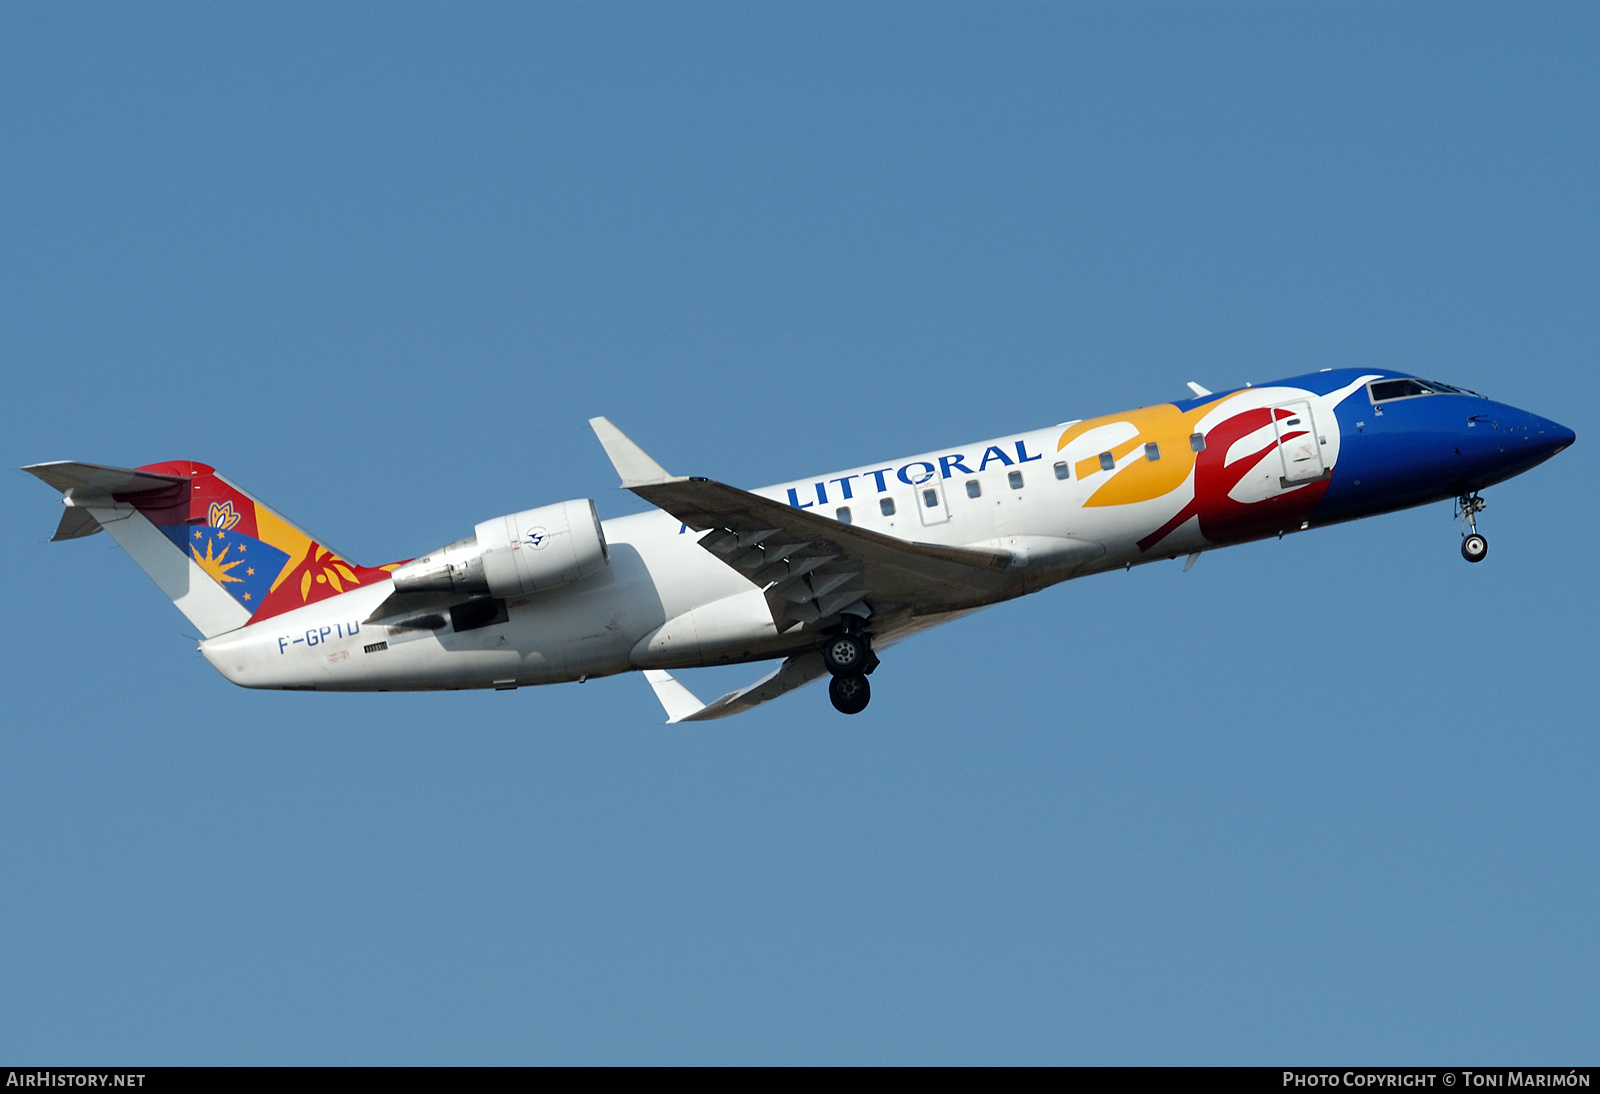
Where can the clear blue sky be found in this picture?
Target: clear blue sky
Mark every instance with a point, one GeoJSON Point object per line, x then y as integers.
{"type": "Point", "coordinates": [1327, 799]}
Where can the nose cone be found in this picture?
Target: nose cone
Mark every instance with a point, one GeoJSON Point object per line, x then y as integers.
{"type": "Point", "coordinates": [1538, 437]}
{"type": "Point", "coordinates": [1501, 441]}
{"type": "Point", "coordinates": [1528, 440]}
{"type": "Point", "coordinates": [1554, 435]}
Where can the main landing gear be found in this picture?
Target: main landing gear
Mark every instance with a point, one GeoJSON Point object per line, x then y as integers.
{"type": "Point", "coordinates": [850, 693]}
{"type": "Point", "coordinates": [1473, 546]}
{"type": "Point", "coordinates": [850, 659]}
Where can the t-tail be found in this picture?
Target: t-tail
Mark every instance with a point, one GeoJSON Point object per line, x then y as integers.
{"type": "Point", "coordinates": [223, 557]}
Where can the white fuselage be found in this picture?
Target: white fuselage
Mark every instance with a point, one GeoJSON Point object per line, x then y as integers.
{"type": "Point", "coordinates": [665, 602]}
{"type": "Point", "coordinates": [552, 594]}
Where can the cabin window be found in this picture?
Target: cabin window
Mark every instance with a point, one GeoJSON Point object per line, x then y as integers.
{"type": "Point", "coordinates": [843, 514]}
{"type": "Point", "coordinates": [1015, 479]}
{"type": "Point", "coordinates": [1152, 452]}
{"type": "Point", "coordinates": [1063, 471]}
{"type": "Point", "coordinates": [1108, 462]}
{"type": "Point", "coordinates": [1197, 441]}
{"type": "Point", "coordinates": [974, 488]}
{"type": "Point", "coordinates": [886, 506]}
{"type": "Point", "coordinates": [930, 498]}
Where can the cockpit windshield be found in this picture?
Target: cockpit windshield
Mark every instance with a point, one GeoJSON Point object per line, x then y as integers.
{"type": "Point", "coordinates": [1384, 390]}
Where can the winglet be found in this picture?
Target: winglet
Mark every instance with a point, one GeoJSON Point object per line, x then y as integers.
{"type": "Point", "coordinates": [794, 671]}
{"type": "Point", "coordinates": [678, 701]}
{"type": "Point", "coordinates": [632, 464]}
{"type": "Point", "coordinates": [1199, 392]}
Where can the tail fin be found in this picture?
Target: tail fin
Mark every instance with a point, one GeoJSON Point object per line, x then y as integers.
{"type": "Point", "coordinates": [223, 558]}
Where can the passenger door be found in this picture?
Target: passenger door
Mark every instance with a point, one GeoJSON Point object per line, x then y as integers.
{"type": "Point", "coordinates": [1298, 442]}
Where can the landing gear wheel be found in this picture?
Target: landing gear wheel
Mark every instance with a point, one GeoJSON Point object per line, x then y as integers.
{"type": "Point", "coordinates": [845, 655]}
{"type": "Point", "coordinates": [1473, 546]}
{"type": "Point", "coordinates": [850, 693]}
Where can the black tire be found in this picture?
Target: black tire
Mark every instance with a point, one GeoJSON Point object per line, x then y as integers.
{"type": "Point", "coordinates": [845, 655]}
{"type": "Point", "coordinates": [850, 693]}
{"type": "Point", "coordinates": [1474, 548]}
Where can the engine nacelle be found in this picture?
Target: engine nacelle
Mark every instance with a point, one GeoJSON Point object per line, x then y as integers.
{"type": "Point", "coordinates": [513, 555]}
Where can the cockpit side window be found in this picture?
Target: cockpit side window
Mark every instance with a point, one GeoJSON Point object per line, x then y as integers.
{"type": "Point", "coordinates": [1451, 389]}
{"type": "Point", "coordinates": [1384, 390]}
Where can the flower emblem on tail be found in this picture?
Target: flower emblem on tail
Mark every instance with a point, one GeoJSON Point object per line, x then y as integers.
{"type": "Point", "coordinates": [222, 514]}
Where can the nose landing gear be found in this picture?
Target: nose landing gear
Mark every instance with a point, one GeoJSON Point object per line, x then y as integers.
{"type": "Point", "coordinates": [1473, 546]}
{"type": "Point", "coordinates": [849, 657]}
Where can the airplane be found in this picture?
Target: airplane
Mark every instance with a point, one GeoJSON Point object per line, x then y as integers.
{"type": "Point", "coordinates": [820, 574]}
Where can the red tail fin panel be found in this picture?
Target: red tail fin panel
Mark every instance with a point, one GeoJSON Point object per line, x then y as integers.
{"type": "Point", "coordinates": [261, 560]}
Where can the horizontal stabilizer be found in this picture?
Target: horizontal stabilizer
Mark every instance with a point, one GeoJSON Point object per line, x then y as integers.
{"type": "Point", "coordinates": [93, 480]}
{"type": "Point", "coordinates": [220, 555]}
{"type": "Point", "coordinates": [75, 524]}
{"type": "Point", "coordinates": [1199, 392]}
{"type": "Point", "coordinates": [632, 464]}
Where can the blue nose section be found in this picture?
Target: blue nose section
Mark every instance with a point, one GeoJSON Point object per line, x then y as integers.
{"type": "Point", "coordinates": [1508, 441]}
{"type": "Point", "coordinates": [1533, 436]}
{"type": "Point", "coordinates": [1414, 449]}
{"type": "Point", "coordinates": [1552, 435]}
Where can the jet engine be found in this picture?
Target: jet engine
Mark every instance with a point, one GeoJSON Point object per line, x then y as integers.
{"type": "Point", "coordinates": [526, 552]}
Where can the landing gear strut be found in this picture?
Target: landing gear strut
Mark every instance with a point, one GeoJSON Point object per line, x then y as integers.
{"type": "Point", "coordinates": [1473, 546]}
{"type": "Point", "coordinates": [849, 657]}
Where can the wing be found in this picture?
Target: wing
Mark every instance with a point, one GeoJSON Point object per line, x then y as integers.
{"type": "Point", "coordinates": [682, 706]}
{"type": "Point", "coordinates": [811, 567]}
